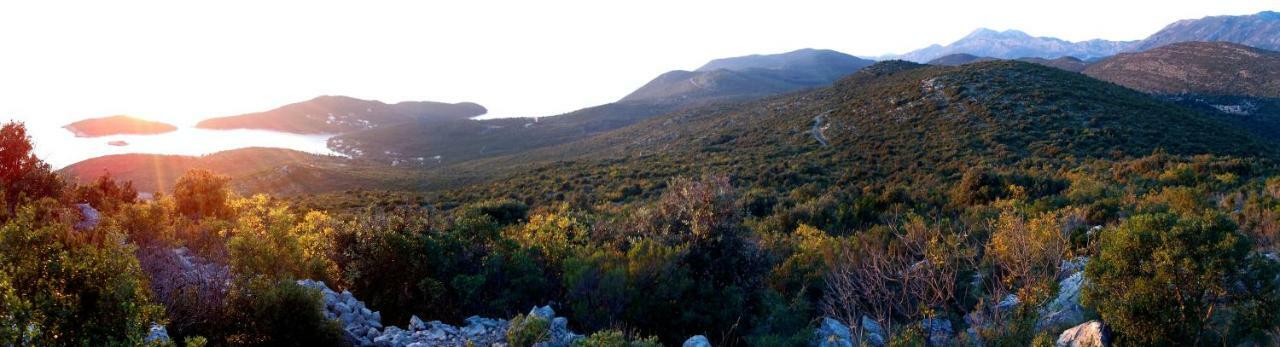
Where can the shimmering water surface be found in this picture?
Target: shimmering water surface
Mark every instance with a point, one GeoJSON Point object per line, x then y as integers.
{"type": "Point", "coordinates": [59, 147]}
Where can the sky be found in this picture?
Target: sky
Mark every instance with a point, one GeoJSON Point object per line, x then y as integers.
{"type": "Point", "coordinates": [182, 61]}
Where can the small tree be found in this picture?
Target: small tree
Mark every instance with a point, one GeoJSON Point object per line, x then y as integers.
{"type": "Point", "coordinates": [23, 177]}
{"type": "Point", "coordinates": [1165, 279]}
{"type": "Point", "coordinates": [200, 194]}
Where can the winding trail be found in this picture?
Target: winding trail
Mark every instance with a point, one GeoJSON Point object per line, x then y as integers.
{"type": "Point", "coordinates": [820, 124]}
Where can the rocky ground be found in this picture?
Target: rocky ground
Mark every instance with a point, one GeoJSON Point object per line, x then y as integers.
{"type": "Point", "coordinates": [1063, 311]}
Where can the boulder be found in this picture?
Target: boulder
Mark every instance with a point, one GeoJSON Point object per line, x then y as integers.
{"type": "Point", "coordinates": [1008, 303]}
{"type": "Point", "coordinates": [832, 333]}
{"type": "Point", "coordinates": [1065, 309]}
{"type": "Point", "coordinates": [939, 331]}
{"type": "Point", "coordinates": [872, 333]}
{"type": "Point", "coordinates": [1088, 334]}
{"type": "Point", "coordinates": [89, 217]}
{"type": "Point", "coordinates": [1074, 265]}
{"type": "Point", "coordinates": [545, 312]}
{"type": "Point", "coordinates": [157, 334]}
{"type": "Point", "coordinates": [697, 341]}
{"type": "Point", "coordinates": [416, 324]}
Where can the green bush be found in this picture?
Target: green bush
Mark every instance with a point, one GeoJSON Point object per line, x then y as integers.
{"type": "Point", "coordinates": [202, 194]}
{"type": "Point", "coordinates": [1166, 279]}
{"type": "Point", "coordinates": [525, 331]}
{"type": "Point", "coordinates": [61, 287]}
{"type": "Point", "coordinates": [614, 338]}
{"type": "Point", "coordinates": [281, 313]}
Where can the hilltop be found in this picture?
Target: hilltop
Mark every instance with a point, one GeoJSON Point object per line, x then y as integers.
{"type": "Point", "coordinates": [752, 76]}
{"type": "Point", "coordinates": [1214, 68]}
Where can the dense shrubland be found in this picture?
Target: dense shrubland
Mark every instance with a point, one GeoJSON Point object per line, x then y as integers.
{"type": "Point", "coordinates": [747, 247]}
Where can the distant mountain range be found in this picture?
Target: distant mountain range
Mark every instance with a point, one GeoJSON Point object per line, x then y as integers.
{"type": "Point", "coordinates": [1012, 44]}
{"type": "Point", "coordinates": [1260, 30]}
{"type": "Point", "coordinates": [339, 114]}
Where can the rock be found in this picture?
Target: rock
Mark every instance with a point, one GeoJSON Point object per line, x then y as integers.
{"type": "Point", "coordinates": [416, 324]}
{"type": "Point", "coordinates": [1074, 265]}
{"type": "Point", "coordinates": [1008, 303]}
{"type": "Point", "coordinates": [832, 333]}
{"type": "Point", "coordinates": [1088, 334]}
{"type": "Point", "coordinates": [697, 341]}
{"type": "Point", "coordinates": [872, 332]}
{"type": "Point", "coordinates": [545, 312]}
{"type": "Point", "coordinates": [89, 217]}
{"type": "Point", "coordinates": [157, 334]}
{"type": "Point", "coordinates": [1065, 309]}
{"type": "Point", "coordinates": [939, 331]}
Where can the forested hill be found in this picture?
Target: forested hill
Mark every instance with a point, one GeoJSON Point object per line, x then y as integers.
{"type": "Point", "coordinates": [894, 124]}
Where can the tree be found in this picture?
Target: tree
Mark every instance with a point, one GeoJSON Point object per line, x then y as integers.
{"type": "Point", "coordinates": [1166, 279]}
{"type": "Point", "coordinates": [200, 194]}
{"type": "Point", "coordinates": [23, 176]}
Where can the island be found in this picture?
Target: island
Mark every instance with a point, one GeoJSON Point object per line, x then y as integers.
{"type": "Point", "coordinates": [118, 125]}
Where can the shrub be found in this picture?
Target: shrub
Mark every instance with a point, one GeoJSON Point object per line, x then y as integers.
{"type": "Point", "coordinates": [614, 338]}
{"type": "Point", "coordinates": [903, 273]}
{"type": "Point", "coordinates": [200, 194]}
{"type": "Point", "coordinates": [267, 240]}
{"type": "Point", "coordinates": [1165, 279]}
{"type": "Point", "coordinates": [281, 313]}
{"type": "Point", "coordinates": [525, 331]}
{"type": "Point", "coordinates": [66, 288]}
{"type": "Point", "coordinates": [105, 194]}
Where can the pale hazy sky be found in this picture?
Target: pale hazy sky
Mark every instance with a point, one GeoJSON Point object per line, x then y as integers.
{"type": "Point", "coordinates": [181, 61]}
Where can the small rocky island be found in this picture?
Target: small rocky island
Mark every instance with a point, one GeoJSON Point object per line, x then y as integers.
{"type": "Point", "coordinates": [118, 125]}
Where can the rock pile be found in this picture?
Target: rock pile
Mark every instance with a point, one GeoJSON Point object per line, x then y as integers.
{"type": "Point", "coordinates": [364, 326]}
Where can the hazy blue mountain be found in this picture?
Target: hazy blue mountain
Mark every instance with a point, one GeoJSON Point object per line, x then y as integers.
{"type": "Point", "coordinates": [1261, 30]}
{"type": "Point", "coordinates": [1012, 44]}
